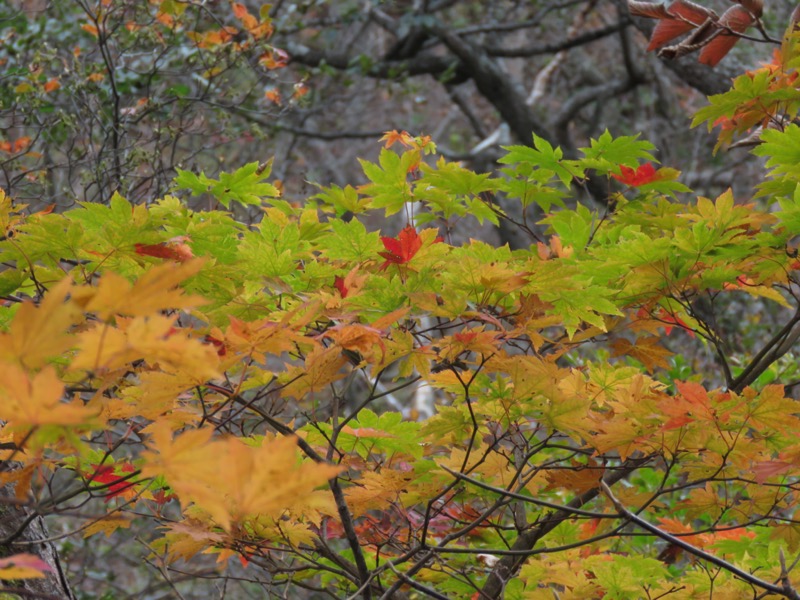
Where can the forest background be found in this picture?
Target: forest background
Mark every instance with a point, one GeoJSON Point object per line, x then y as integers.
{"type": "Point", "coordinates": [308, 112]}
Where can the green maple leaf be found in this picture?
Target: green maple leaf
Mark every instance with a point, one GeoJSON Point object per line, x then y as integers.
{"type": "Point", "coordinates": [606, 153]}
{"type": "Point", "coordinates": [245, 185]}
{"type": "Point", "coordinates": [390, 188]}
{"type": "Point", "coordinates": [543, 156]}
{"type": "Point", "coordinates": [351, 242]}
{"type": "Point", "coordinates": [783, 150]}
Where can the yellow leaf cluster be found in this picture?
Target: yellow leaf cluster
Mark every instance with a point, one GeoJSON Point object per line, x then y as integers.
{"type": "Point", "coordinates": [153, 338]}
{"type": "Point", "coordinates": [152, 292]}
{"type": "Point", "coordinates": [39, 333]}
{"type": "Point", "coordinates": [28, 401]}
{"type": "Point", "coordinates": [230, 480]}
{"type": "Point", "coordinates": [376, 490]}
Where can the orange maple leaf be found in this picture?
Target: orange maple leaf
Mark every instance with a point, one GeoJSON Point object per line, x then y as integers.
{"type": "Point", "coordinates": [402, 137]}
{"type": "Point", "coordinates": [173, 249]}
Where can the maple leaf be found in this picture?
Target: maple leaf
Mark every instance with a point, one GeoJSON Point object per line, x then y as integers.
{"type": "Point", "coordinates": [376, 490]}
{"type": "Point", "coordinates": [646, 350]}
{"type": "Point", "coordinates": [673, 319]}
{"type": "Point", "coordinates": [360, 338]}
{"type": "Point", "coordinates": [642, 175]}
{"type": "Point", "coordinates": [394, 136]}
{"type": "Point", "coordinates": [736, 19]}
{"type": "Point", "coordinates": [107, 525]}
{"type": "Point", "coordinates": [154, 339]}
{"type": "Point", "coordinates": [675, 526]}
{"type": "Point", "coordinates": [39, 333]}
{"type": "Point", "coordinates": [152, 292]}
{"type": "Point", "coordinates": [30, 401]}
{"type": "Point", "coordinates": [174, 249]}
{"type": "Point", "coordinates": [23, 566]}
{"type": "Point", "coordinates": [274, 59]}
{"type": "Point", "coordinates": [340, 285]}
{"type": "Point", "coordinates": [322, 367]}
{"type": "Point", "coordinates": [230, 480]}
{"type": "Point", "coordinates": [677, 18]}
{"type": "Point", "coordinates": [403, 248]}
{"type": "Point", "coordinates": [577, 481]}
{"type": "Point", "coordinates": [51, 86]}
{"type": "Point", "coordinates": [116, 485]}
{"type": "Point", "coordinates": [241, 13]}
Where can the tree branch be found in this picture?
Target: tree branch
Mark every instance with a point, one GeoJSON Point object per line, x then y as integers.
{"type": "Point", "coordinates": [508, 566]}
{"type": "Point", "coordinates": [785, 590]}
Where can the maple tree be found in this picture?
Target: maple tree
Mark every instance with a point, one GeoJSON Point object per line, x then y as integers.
{"type": "Point", "coordinates": [253, 397]}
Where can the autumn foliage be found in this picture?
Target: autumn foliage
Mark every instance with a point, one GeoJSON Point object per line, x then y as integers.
{"type": "Point", "coordinates": [371, 414]}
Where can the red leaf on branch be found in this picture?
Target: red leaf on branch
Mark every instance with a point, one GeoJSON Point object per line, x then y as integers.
{"type": "Point", "coordinates": [667, 30]}
{"type": "Point", "coordinates": [671, 320]}
{"type": "Point", "coordinates": [401, 249]}
{"type": "Point", "coordinates": [117, 485]}
{"type": "Point", "coordinates": [646, 173]}
{"type": "Point", "coordinates": [736, 18]}
{"type": "Point", "coordinates": [161, 497]}
{"type": "Point", "coordinates": [674, 20]}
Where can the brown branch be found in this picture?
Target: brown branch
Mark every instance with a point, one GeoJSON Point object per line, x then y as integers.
{"type": "Point", "coordinates": [779, 345]}
{"type": "Point", "coordinates": [552, 48]}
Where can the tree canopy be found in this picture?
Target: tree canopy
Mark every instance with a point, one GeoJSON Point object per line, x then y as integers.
{"type": "Point", "coordinates": [210, 384]}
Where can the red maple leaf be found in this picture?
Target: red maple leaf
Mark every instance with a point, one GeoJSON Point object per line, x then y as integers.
{"type": "Point", "coordinates": [116, 484]}
{"type": "Point", "coordinates": [161, 497]}
{"type": "Point", "coordinates": [646, 173]}
{"type": "Point", "coordinates": [340, 285]}
{"type": "Point", "coordinates": [401, 249]}
{"type": "Point", "coordinates": [218, 344]}
{"type": "Point", "coordinates": [672, 319]}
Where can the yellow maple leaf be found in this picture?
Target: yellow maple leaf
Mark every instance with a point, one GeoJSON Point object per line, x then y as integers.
{"type": "Point", "coordinates": [376, 490]}
{"type": "Point", "coordinates": [322, 366]}
{"type": "Point", "coordinates": [36, 401]}
{"type": "Point", "coordinates": [39, 333]}
{"type": "Point", "coordinates": [153, 338]}
{"type": "Point", "coordinates": [107, 525]}
{"type": "Point", "coordinates": [185, 539]}
{"type": "Point", "coordinates": [260, 337]}
{"type": "Point", "coordinates": [152, 292]}
{"type": "Point", "coordinates": [357, 337]}
{"type": "Point", "coordinates": [269, 336]}
{"type": "Point", "coordinates": [154, 394]}
{"type": "Point", "coordinates": [268, 479]}
{"type": "Point", "coordinates": [231, 480]}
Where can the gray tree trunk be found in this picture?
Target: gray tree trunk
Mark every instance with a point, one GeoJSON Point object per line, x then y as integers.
{"type": "Point", "coordinates": [19, 527]}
